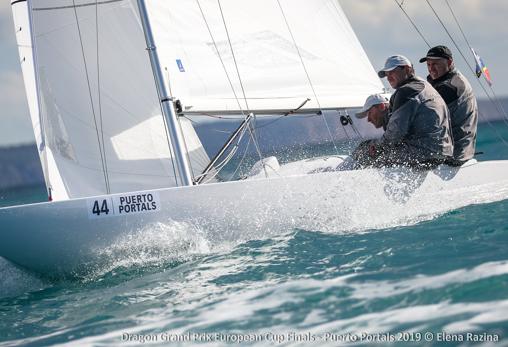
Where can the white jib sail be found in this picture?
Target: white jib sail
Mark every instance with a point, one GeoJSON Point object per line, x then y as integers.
{"type": "Point", "coordinates": [269, 43]}
{"type": "Point", "coordinates": [93, 99]}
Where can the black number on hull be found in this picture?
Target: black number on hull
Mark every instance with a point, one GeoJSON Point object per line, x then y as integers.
{"type": "Point", "coordinates": [103, 209]}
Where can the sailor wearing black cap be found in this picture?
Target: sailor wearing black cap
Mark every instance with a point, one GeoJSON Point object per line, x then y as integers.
{"type": "Point", "coordinates": [459, 97]}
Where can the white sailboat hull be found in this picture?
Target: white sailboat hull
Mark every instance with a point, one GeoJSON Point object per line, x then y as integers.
{"type": "Point", "coordinates": [67, 236]}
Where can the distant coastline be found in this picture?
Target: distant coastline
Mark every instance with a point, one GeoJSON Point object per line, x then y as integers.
{"type": "Point", "coordinates": [20, 166]}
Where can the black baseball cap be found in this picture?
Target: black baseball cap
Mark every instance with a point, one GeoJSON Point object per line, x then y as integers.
{"type": "Point", "coordinates": [438, 52]}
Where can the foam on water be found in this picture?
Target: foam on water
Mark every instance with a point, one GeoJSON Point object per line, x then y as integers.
{"type": "Point", "coordinates": [16, 281]}
{"type": "Point", "coordinates": [401, 279]}
{"type": "Point", "coordinates": [155, 245]}
{"type": "Point", "coordinates": [273, 300]}
{"type": "Point", "coordinates": [373, 290]}
{"type": "Point", "coordinates": [377, 199]}
{"type": "Point", "coordinates": [170, 243]}
{"type": "Point", "coordinates": [372, 204]}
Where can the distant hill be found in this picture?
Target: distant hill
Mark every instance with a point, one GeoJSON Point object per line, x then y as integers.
{"type": "Point", "coordinates": [20, 165]}
{"type": "Point", "coordinates": [492, 110]}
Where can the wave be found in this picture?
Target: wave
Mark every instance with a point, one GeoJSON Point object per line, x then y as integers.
{"type": "Point", "coordinates": [158, 246]}
{"type": "Point", "coordinates": [16, 281]}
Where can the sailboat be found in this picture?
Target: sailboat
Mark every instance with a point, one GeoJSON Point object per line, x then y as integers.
{"type": "Point", "coordinates": [111, 85]}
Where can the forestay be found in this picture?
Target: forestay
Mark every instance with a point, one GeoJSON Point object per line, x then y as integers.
{"type": "Point", "coordinates": [274, 48]}
{"type": "Point", "coordinates": [93, 99]}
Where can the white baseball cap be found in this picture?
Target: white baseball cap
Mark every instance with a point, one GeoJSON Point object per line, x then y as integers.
{"type": "Point", "coordinates": [372, 100]}
{"type": "Point", "coordinates": [393, 62]}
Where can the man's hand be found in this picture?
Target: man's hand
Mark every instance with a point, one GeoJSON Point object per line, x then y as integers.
{"type": "Point", "coordinates": [372, 150]}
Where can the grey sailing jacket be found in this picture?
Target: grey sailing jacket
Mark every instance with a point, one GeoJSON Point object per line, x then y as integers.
{"type": "Point", "coordinates": [458, 95]}
{"type": "Point", "coordinates": [419, 119]}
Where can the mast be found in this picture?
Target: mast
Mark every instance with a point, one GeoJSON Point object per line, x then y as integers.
{"type": "Point", "coordinates": [165, 100]}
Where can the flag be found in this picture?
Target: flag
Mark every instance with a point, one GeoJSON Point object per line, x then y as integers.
{"type": "Point", "coordinates": [481, 68]}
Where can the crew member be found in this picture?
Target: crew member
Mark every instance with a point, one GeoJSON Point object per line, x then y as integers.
{"type": "Point", "coordinates": [417, 123]}
{"type": "Point", "coordinates": [458, 95]}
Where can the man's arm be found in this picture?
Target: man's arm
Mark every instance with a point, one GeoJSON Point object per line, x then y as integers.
{"type": "Point", "coordinates": [399, 123]}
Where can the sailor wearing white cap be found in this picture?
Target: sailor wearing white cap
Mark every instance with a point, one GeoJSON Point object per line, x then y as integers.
{"type": "Point", "coordinates": [393, 62]}
{"type": "Point", "coordinates": [397, 69]}
{"type": "Point", "coordinates": [376, 110]}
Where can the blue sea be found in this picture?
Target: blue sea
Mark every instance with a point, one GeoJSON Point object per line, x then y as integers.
{"type": "Point", "coordinates": [443, 281]}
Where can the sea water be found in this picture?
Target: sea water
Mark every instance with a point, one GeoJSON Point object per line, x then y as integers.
{"type": "Point", "coordinates": [443, 281]}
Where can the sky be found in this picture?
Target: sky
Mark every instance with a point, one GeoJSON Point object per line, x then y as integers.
{"type": "Point", "coordinates": [380, 25]}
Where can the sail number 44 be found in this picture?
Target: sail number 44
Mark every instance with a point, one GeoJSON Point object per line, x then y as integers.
{"type": "Point", "coordinates": [102, 209]}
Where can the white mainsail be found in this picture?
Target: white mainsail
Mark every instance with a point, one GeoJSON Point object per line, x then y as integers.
{"type": "Point", "coordinates": [93, 98]}
{"type": "Point", "coordinates": [268, 53]}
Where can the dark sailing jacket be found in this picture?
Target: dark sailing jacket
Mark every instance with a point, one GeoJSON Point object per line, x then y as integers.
{"type": "Point", "coordinates": [458, 95]}
{"type": "Point", "coordinates": [419, 119]}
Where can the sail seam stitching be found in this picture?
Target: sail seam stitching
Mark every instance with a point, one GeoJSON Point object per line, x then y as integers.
{"type": "Point", "coordinates": [72, 6]}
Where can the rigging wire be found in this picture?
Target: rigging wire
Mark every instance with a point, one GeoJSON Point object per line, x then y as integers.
{"type": "Point", "coordinates": [344, 118]}
{"type": "Point", "coordinates": [355, 129]}
{"type": "Point", "coordinates": [470, 48]}
{"type": "Point", "coordinates": [497, 104]}
{"type": "Point", "coordinates": [234, 56]}
{"type": "Point", "coordinates": [458, 24]}
{"type": "Point", "coordinates": [241, 160]}
{"type": "Point", "coordinates": [229, 156]}
{"type": "Point", "coordinates": [237, 99]}
{"type": "Point", "coordinates": [199, 159]}
{"type": "Point", "coordinates": [307, 74]}
{"type": "Point", "coordinates": [343, 129]}
{"type": "Point", "coordinates": [285, 114]}
{"type": "Point", "coordinates": [463, 56]}
{"type": "Point", "coordinates": [106, 180]}
{"type": "Point", "coordinates": [99, 87]}
{"type": "Point", "coordinates": [221, 61]}
{"type": "Point", "coordinates": [251, 129]}
{"type": "Point", "coordinates": [480, 114]}
{"type": "Point", "coordinates": [412, 22]}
